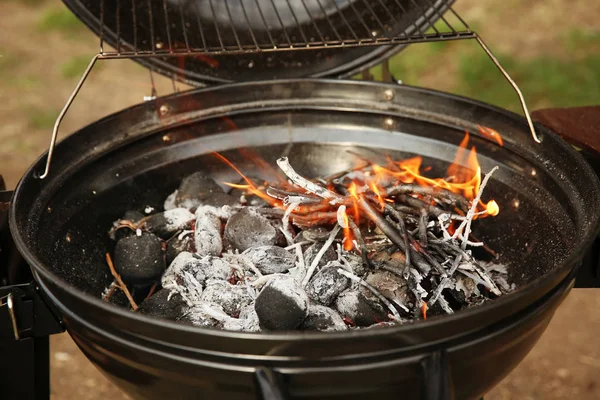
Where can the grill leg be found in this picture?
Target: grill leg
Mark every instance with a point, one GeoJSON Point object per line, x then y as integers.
{"type": "Point", "coordinates": [437, 381]}
{"type": "Point", "coordinates": [25, 369]}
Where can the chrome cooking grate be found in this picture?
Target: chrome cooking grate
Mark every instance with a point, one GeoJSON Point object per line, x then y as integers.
{"type": "Point", "coordinates": [179, 27]}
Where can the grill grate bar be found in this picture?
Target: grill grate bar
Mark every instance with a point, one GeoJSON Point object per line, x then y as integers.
{"type": "Point", "coordinates": [242, 26]}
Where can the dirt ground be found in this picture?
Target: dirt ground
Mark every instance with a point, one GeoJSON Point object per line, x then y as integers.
{"type": "Point", "coordinates": [35, 81]}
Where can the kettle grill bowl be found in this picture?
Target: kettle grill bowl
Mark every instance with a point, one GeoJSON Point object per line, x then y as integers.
{"type": "Point", "coordinates": [547, 194]}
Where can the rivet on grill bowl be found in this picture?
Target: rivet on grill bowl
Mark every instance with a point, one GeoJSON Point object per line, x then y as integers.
{"type": "Point", "coordinates": [388, 123]}
{"type": "Point", "coordinates": [164, 109]}
{"type": "Point", "coordinates": [388, 94]}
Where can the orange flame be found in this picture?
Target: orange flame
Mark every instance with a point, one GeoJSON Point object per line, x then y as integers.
{"type": "Point", "coordinates": [348, 237]}
{"type": "Point", "coordinates": [463, 177]}
{"type": "Point", "coordinates": [424, 310]}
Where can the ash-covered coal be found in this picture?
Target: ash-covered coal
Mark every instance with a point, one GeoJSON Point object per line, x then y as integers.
{"type": "Point", "coordinates": [368, 248]}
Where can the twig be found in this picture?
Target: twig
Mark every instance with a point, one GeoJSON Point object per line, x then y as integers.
{"type": "Point", "coordinates": [305, 184]}
{"type": "Point", "coordinates": [400, 221]}
{"type": "Point", "coordinates": [320, 254]}
{"type": "Point", "coordinates": [152, 290]}
{"type": "Point", "coordinates": [111, 289]}
{"type": "Point", "coordinates": [120, 283]}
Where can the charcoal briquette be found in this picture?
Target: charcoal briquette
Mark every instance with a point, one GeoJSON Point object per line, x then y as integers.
{"type": "Point", "coordinates": [139, 258]}
{"type": "Point", "coordinates": [207, 235]}
{"type": "Point", "coordinates": [270, 259]}
{"type": "Point", "coordinates": [219, 199]}
{"type": "Point", "coordinates": [326, 285]}
{"type": "Point", "coordinates": [248, 228]}
{"type": "Point", "coordinates": [282, 304]}
{"type": "Point", "coordinates": [357, 308]}
{"type": "Point", "coordinates": [164, 304]}
{"type": "Point", "coordinates": [390, 285]}
{"type": "Point", "coordinates": [166, 224]}
{"type": "Point", "coordinates": [312, 251]}
{"type": "Point", "coordinates": [194, 188]}
{"type": "Point", "coordinates": [321, 318]}
{"type": "Point", "coordinates": [231, 298]}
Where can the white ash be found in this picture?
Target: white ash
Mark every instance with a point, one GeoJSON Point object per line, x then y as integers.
{"type": "Point", "coordinates": [171, 201]}
{"type": "Point", "coordinates": [177, 219]}
{"type": "Point", "coordinates": [247, 321]}
{"type": "Point", "coordinates": [188, 274]}
{"type": "Point", "coordinates": [223, 212]}
{"type": "Point", "coordinates": [207, 235]}
{"type": "Point", "coordinates": [206, 315]}
{"type": "Point", "coordinates": [391, 286]}
{"type": "Point", "coordinates": [231, 298]}
{"type": "Point", "coordinates": [358, 309]}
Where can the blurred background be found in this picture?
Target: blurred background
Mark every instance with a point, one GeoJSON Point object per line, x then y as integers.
{"type": "Point", "coordinates": [551, 48]}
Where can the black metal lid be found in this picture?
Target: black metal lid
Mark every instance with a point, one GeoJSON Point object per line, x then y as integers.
{"type": "Point", "coordinates": [238, 38]}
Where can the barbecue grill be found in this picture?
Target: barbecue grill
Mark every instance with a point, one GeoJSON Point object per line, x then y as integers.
{"type": "Point", "coordinates": [59, 212]}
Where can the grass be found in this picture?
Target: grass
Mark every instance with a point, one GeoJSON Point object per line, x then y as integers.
{"type": "Point", "coordinates": [569, 81]}
{"type": "Point", "coordinates": [74, 67]}
{"type": "Point", "coordinates": [60, 19]}
{"type": "Point", "coordinates": [42, 119]}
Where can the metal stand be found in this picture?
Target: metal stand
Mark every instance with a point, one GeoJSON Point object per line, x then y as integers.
{"type": "Point", "coordinates": [26, 323]}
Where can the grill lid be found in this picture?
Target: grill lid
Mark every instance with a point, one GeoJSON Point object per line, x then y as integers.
{"type": "Point", "coordinates": [243, 40]}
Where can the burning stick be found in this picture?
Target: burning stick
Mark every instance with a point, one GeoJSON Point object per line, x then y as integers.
{"type": "Point", "coordinates": [320, 254]}
{"type": "Point", "coordinates": [119, 282]}
{"type": "Point", "coordinates": [451, 198]}
{"type": "Point", "coordinates": [471, 212]}
{"type": "Point", "coordinates": [305, 184]}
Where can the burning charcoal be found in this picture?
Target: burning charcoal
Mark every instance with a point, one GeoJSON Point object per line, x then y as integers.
{"type": "Point", "coordinates": [168, 223]}
{"type": "Point", "coordinates": [207, 235]}
{"type": "Point", "coordinates": [232, 298]}
{"type": "Point", "coordinates": [188, 273]}
{"type": "Point", "coordinates": [321, 318]}
{"type": "Point", "coordinates": [247, 322]}
{"type": "Point", "coordinates": [180, 243]}
{"type": "Point", "coordinates": [326, 285]}
{"type": "Point", "coordinates": [391, 286]}
{"type": "Point", "coordinates": [139, 258]}
{"type": "Point", "coordinates": [282, 304]}
{"type": "Point", "coordinates": [248, 229]}
{"type": "Point", "coordinates": [193, 189]}
{"type": "Point", "coordinates": [270, 259]}
{"type": "Point", "coordinates": [311, 252]}
{"type": "Point", "coordinates": [205, 316]}
{"type": "Point", "coordinates": [358, 309]}
{"type": "Point", "coordinates": [382, 325]}
{"type": "Point", "coordinates": [164, 304]}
